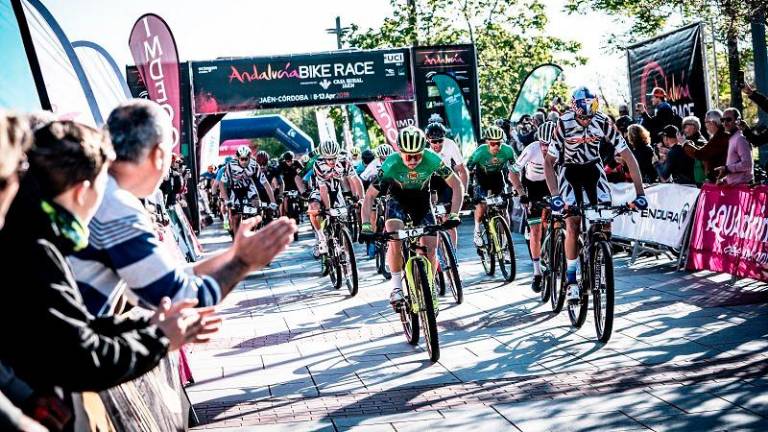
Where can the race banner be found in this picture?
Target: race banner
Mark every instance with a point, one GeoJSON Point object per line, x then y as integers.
{"type": "Point", "coordinates": [154, 51]}
{"type": "Point", "coordinates": [534, 89]}
{"type": "Point", "coordinates": [730, 231]}
{"type": "Point", "coordinates": [391, 117]}
{"type": "Point", "coordinates": [359, 130]}
{"type": "Point", "coordinates": [332, 78]}
{"type": "Point", "coordinates": [670, 210]}
{"type": "Point", "coordinates": [457, 61]}
{"type": "Point", "coordinates": [459, 118]}
{"type": "Point", "coordinates": [674, 62]}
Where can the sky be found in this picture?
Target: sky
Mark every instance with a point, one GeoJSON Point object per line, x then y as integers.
{"type": "Point", "coordinates": [209, 29]}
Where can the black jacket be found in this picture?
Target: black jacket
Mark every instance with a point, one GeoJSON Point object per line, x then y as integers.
{"type": "Point", "coordinates": [49, 338]}
{"type": "Point", "coordinates": [758, 136]}
{"type": "Point", "coordinates": [644, 156]}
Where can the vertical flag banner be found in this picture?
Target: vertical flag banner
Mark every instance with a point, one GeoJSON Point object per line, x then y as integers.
{"type": "Point", "coordinates": [16, 79]}
{"type": "Point", "coordinates": [155, 54]}
{"type": "Point", "coordinates": [457, 113]}
{"type": "Point", "coordinates": [674, 62]}
{"type": "Point", "coordinates": [359, 131]}
{"type": "Point", "coordinates": [534, 89]}
{"type": "Point", "coordinates": [325, 127]}
{"type": "Point", "coordinates": [385, 117]}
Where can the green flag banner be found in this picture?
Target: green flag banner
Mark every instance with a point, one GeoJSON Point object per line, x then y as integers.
{"type": "Point", "coordinates": [457, 113]}
{"type": "Point", "coordinates": [359, 131]}
{"type": "Point", "coordinates": [534, 89]}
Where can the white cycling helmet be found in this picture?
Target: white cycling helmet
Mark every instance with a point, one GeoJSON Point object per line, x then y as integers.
{"type": "Point", "coordinates": [544, 132]}
{"type": "Point", "coordinates": [384, 150]}
{"type": "Point", "coordinates": [411, 140]}
{"type": "Point", "coordinates": [243, 151]}
{"type": "Point", "coordinates": [329, 149]}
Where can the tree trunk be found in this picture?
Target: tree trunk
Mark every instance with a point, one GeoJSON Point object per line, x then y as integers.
{"type": "Point", "coordinates": [734, 65]}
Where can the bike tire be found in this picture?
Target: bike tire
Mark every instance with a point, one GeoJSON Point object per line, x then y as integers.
{"type": "Point", "coordinates": [577, 312]}
{"type": "Point", "coordinates": [381, 260]}
{"type": "Point", "coordinates": [440, 281]}
{"type": "Point", "coordinates": [452, 279]}
{"type": "Point", "coordinates": [349, 269]}
{"type": "Point", "coordinates": [427, 315]}
{"type": "Point", "coordinates": [546, 266]}
{"type": "Point", "coordinates": [506, 254]}
{"type": "Point", "coordinates": [487, 257]}
{"type": "Point", "coordinates": [334, 268]}
{"type": "Point", "coordinates": [557, 277]}
{"type": "Point", "coordinates": [408, 318]}
{"type": "Point", "coordinates": [603, 293]}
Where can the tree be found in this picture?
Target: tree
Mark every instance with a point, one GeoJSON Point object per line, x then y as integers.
{"type": "Point", "coordinates": [508, 35]}
{"type": "Point", "coordinates": [649, 17]}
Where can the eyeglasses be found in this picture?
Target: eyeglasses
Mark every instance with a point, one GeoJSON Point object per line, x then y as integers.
{"type": "Point", "coordinates": [412, 157]}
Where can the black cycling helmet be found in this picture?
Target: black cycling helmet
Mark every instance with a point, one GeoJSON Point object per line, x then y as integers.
{"type": "Point", "coordinates": [367, 156]}
{"type": "Point", "coordinates": [435, 131]}
{"type": "Point", "coordinates": [288, 156]}
{"type": "Point", "coordinates": [623, 122]}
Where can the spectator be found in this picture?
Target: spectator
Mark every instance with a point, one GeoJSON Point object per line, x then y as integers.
{"type": "Point", "coordinates": [713, 153]}
{"type": "Point", "coordinates": [674, 165]}
{"type": "Point", "coordinates": [14, 140]}
{"type": "Point", "coordinates": [663, 114]}
{"type": "Point", "coordinates": [55, 342]}
{"type": "Point", "coordinates": [125, 247]}
{"type": "Point", "coordinates": [692, 135]}
{"type": "Point", "coordinates": [623, 110]}
{"type": "Point", "coordinates": [553, 116]}
{"type": "Point", "coordinates": [616, 171]}
{"type": "Point", "coordinates": [738, 168]}
{"type": "Point", "coordinates": [622, 124]}
{"type": "Point", "coordinates": [639, 140]}
{"type": "Point", "coordinates": [756, 136]}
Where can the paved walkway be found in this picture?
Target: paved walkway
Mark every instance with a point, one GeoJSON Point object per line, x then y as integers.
{"type": "Point", "coordinates": [689, 352]}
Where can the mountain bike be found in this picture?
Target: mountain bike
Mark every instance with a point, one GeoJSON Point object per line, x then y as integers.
{"type": "Point", "coordinates": [497, 245]}
{"type": "Point", "coordinates": [380, 245]}
{"type": "Point", "coordinates": [353, 219]}
{"type": "Point", "coordinates": [293, 208]}
{"type": "Point", "coordinates": [420, 304]}
{"type": "Point", "coordinates": [596, 260]}
{"type": "Point", "coordinates": [339, 263]}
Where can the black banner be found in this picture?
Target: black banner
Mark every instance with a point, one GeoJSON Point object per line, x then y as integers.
{"type": "Point", "coordinates": [675, 63]}
{"type": "Point", "coordinates": [331, 78]}
{"type": "Point", "coordinates": [458, 61]}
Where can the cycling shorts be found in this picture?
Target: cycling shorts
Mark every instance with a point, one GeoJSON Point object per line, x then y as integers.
{"type": "Point", "coordinates": [537, 191]}
{"type": "Point", "coordinates": [586, 182]}
{"type": "Point", "coordinates": [419, 215]}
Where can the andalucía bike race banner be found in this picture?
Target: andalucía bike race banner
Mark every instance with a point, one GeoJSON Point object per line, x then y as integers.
{"type": "Point", "coordinates": [730, 232]}
{"type": "Point", "coordinates": [156, 57]}
{"type": "Point", "coordinates": [333, 78]}
{"type": "Point", "coordinates": [458, 62]}
{"type": "Point", "coordinates": [675, 63]}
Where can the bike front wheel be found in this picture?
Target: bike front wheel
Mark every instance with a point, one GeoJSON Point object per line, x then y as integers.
{"type": "Point", "coordinates": [348, 264]}
{"type": "Point", "coordinates": [408, 318]}
{"type": "Point", "coordinates": [603, 290]}
{"type": "Point", "coordinates": [577, 311]}
{"type": "Point", "coordinates": [487, 257]}
{"type": "Point", "coordinates": [506, 249]}
{"type": "Point", "coordinates": [557, 276]}
{"type": "Point", "coordinates": [427, 312]}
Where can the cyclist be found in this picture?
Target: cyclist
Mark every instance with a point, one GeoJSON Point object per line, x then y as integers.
{"type": "Point", "coordinates": [330, 171]}
{"type": "Point", "coordinates": [488, 163]}
{"type": "Point", "coordinates": [382, 152]}
{"type": "Point", "coordinates": [357, 163]}
{"type": "Point", "coordinates": [575, 144]}
{"type": "Point", "coordinates": [405, 178]}
{"type": "Point", "coordinates": [533, 191]}
{"type": "Point", "coordinates": [290, 169]}
{"type": "Point", "coordinates": [238, 184]}
{"type": "Point", "coordinates": [274, 177]}
{"type": "Point", "coordinates": [366, 157]}
{"type": "Point", "coordinates": [451, 155]}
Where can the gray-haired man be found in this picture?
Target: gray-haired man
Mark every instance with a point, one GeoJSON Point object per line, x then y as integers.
{"type": "Point", "coordinates": [713, 153]}
{"type": "Point", "coordinates": [123, 245]}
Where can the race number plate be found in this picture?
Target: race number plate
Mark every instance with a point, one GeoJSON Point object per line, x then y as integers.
{"type": "Point", "coordinates": [338, 211]}
{"type": "Point", "coordinates": [408, 233]}
{"type": "Point", "coordinates": [292, 194]}
{"type": "Point", "coordinates": [494, 200]}
{"type": "Point", "coordinates": [250, 210]}
{"type": "Point", "coordinates": [440, 210]}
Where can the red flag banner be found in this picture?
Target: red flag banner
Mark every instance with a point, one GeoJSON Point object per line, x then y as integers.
{"type": "Point", "coordinates": [155, 54]}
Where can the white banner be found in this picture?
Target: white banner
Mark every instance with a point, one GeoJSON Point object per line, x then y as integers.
{"type": "Point", "coordinates": [209, 148]}
{"type": "Point", "coordinates": [670, 209]}
{"type": "Point", "coordinates": [325, 128]}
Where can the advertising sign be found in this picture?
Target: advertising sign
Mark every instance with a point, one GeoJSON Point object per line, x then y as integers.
{"type": "Point", "coordinates": [675, 63]}
{"type": "Point", "coordinates": [332, 78]}
{"type": "Point", "coordinates": [730, 231]}
{"type": "Point", "coordinates": [457, 61]}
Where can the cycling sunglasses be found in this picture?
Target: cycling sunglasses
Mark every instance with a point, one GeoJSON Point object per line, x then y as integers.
{"type": "Point", "coordinates": [436, 141]}
{"type": "Point", "coordinates": [412, 157]}
{"type": "Point", "coordinates": [494, 143]}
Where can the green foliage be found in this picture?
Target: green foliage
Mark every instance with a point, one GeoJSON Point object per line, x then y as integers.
{"type": "Point", "coordinates": [509, 37]}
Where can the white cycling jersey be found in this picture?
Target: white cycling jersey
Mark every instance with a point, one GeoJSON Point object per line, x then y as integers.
{"type": "Point", "coordinates": [371, 170]}
{"type": "Point", "coordinates": [532, 160]}
{"type": "Point", "coordinates": [451, 154]}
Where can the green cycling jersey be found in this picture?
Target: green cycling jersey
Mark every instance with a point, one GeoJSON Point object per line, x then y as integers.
{"type": "Point", "coordinates": [488, 163]}
{"type": "Point", "coordinates": [393, 172]}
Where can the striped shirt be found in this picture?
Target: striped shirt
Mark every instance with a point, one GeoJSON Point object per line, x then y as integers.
{"type": "Point", "coordinates": [124, 249]}
{"type": "Point", "coordinates": [575, 144]}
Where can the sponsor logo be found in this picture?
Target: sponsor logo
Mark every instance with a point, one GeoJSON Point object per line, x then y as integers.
{"type": "Point", "coordinates": [731, 221]}
{"type": "Point", "coordinates": [325, 84]}
{"type": "Point", "coordinates": [394, 58]}
{"type": "Point", "coordinates": [433, 59]}
{"type": "Point", "coordinates": [206, 69]}
{"type": "Point", "coordinates": [413, 175]}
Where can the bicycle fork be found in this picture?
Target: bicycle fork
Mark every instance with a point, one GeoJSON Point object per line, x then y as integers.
{"type": "Point", "coordinates": [418, 304]}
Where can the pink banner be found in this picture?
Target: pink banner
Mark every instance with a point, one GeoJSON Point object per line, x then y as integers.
{"type": "Point", "coordinates": [156, 57]}
{"type": "Point", "coordinates": [393, 116]}
{"type": "Point", "coordinates": [730, 231]}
